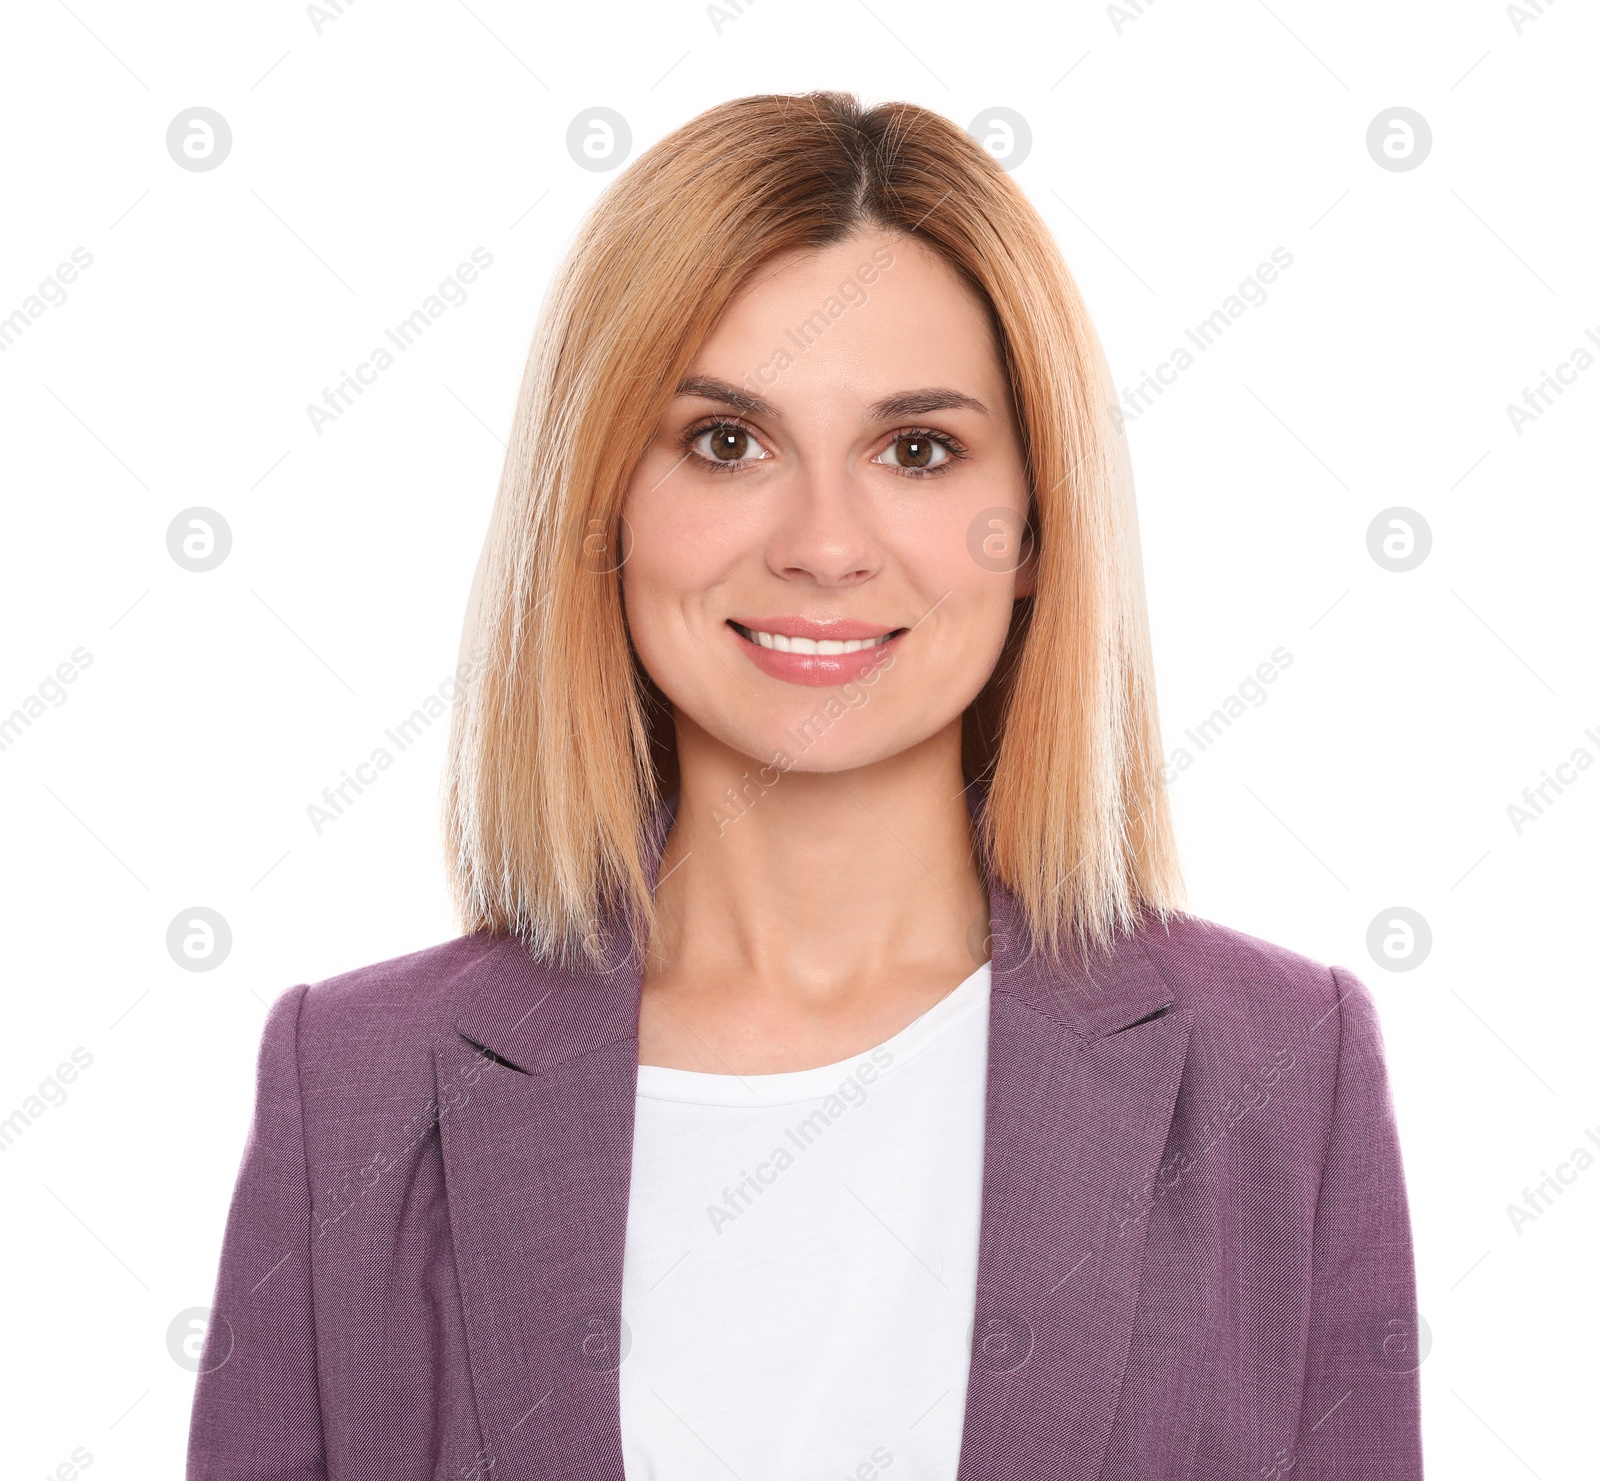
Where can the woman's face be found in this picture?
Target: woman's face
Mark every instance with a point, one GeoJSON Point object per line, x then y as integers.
{"type": "Point", "coordinates": [825, 530]}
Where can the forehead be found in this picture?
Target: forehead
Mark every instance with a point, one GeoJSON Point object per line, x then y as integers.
{"type": "Point", "coordinates": [862, 317]}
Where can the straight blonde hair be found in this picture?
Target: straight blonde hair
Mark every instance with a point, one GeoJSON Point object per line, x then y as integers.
{"type": "Point", "coordinates": [561, 748]}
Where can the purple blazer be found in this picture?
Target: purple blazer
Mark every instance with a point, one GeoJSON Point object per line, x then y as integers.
{"type": "Point", "coordinates": [1194, 1261]}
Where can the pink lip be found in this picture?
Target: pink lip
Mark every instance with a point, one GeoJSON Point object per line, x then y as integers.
{"type": "Point", "coordinates": [816, 668]}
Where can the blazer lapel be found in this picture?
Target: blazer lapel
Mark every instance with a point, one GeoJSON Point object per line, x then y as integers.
{"type": "Point", "coordinates": [535, 1097]}
{"type": "Point", "coordinates": [536, 1105]}
{"type": "Point", "coordinates": [1083, 1075]}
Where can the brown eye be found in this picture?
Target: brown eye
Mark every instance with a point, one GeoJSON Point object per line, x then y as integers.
{"type": "Point", "coordinates": [914, 450]}
{"type": "Point", "coordinates": [727, 443]}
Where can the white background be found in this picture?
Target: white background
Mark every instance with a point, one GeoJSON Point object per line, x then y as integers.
{"type": "Point", "coordinates": [1171, 153]}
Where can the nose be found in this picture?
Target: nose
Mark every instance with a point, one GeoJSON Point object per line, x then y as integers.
{"type": "Point", "coordinates": [823, 529]}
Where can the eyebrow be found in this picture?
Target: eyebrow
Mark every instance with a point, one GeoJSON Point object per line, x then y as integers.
{"type": "Point", "coordinates": [890, 408]}
{"type": "Point", "coordinates": [708, 388]}
{"type": "Point", "coordinates": [915, 403]}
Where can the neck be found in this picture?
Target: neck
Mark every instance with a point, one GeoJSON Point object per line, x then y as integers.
{"type": "Point", "coordinates": [805, 883]}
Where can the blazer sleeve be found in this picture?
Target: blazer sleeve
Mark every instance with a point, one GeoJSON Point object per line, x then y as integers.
{"type": "Point", "coordinates": [1360, 1411]}
{"type": "Point", "coordinates": [257, 1415]}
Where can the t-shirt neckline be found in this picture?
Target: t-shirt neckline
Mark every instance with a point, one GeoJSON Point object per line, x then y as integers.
{"type": "Point", "coordinates": [698, 1087]}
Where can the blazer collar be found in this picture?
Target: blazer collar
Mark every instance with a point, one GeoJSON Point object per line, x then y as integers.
{"type": "Point", "coordinates": [536, 1104]}
{"type": "Point", "coordinates": [536, 1016]}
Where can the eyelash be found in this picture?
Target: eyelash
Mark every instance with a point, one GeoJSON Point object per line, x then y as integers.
{"type": "Point", "coordinates": [952, 445]}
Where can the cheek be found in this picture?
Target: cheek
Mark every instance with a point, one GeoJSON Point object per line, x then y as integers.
{"type": "Point", "coordinates": [976, 567]}
{"type": "Point", "coordinates": [675, 560]}
{"type": "Point", "coordinates": [990, 603]}
{"type": "Point", "coordinates": [686, 539]}
{"type": "Point", "coordinates": [649, 600]}
{"type": "Point", "coordinates": [965, 561]}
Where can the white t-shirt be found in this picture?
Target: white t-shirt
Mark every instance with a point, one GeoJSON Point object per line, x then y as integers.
{"type": "Point", "coordinates": [801, 1259]}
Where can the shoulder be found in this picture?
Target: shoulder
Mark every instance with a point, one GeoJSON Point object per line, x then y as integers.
{"type": "Point", "coordinates": [1228, 976]}
{"type": "Point", "coordinates": [353, 1053]}
{"type": "Point", "coordinates": [374, 1025]}
{"type": "Point", "coordinates": [1256, 1004]}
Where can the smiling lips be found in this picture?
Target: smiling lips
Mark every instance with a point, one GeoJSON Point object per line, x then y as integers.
{"type": "Point", "coordinates": [802, 650]}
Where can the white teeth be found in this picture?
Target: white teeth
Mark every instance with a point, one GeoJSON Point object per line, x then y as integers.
{"type": "Point", "coordinates": [829, 647]}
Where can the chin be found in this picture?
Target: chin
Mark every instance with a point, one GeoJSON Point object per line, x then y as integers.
{"type": "Point", "coordinates": [826, 737]}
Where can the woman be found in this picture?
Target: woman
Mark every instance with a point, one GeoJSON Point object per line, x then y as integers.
{"type": "Point", "coordinates": [826, 1082]}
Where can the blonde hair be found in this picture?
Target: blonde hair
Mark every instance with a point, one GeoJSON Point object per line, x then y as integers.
{"type": "Point", "coordinates": [561, 750]}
